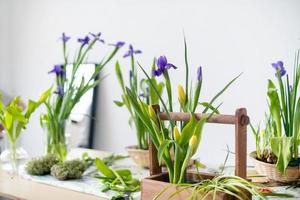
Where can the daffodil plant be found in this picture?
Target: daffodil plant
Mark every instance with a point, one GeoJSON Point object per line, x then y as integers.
{"type": "Point", "coordinates": [14, 118]}
{"type": "Point", "coordinates": [182, 138]}
{"type": "Point", "coordinates": [140, 88]}
{"type": "Point", "coordinates": [67, 93]}
{"type": "Point", "coordinates": [284, 109]}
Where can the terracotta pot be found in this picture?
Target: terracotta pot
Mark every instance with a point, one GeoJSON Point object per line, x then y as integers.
{"type": "Point", "coordinates": [153, 185]}
{"type": "Point", "coordinates": [139, 156]}
{"type": "Point", "coordinates": [270, 171]}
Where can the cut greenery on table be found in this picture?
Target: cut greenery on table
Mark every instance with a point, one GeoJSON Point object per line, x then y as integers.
{"type": "Point", "coordinates": [281, 135]}
{"type": "Point", "coordinates": [182, 138]}
{"type": "Point", "coordinates": [119, 180]}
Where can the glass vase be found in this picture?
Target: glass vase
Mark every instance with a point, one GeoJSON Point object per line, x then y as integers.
{"type": "Point", "coordinates": [13, 156]}
{"type": "Point", "coordinates": [57, 140]}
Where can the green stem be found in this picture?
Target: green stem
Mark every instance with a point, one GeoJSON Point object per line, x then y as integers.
{"type": "Point", "coordinates": [176, 165]}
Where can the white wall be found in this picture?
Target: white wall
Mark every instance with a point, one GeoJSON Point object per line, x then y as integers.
{"type": "Point", "coordinates": [225, 37]}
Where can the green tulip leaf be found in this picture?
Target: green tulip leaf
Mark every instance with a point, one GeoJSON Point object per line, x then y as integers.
{"type": "Point", "coordinates": [274, 106]}
{"type": "Point", "coordinates": [162, 147]}
{"type": "Point", "coordinates": [281, 147]}
{"type": "Point", "coordinates": [188, 130]}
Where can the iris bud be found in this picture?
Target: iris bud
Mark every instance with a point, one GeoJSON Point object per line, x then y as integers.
{"type": "Point", "coordinates": [176, 134]}
{"type": "Point", "coordinates": [181, 95]}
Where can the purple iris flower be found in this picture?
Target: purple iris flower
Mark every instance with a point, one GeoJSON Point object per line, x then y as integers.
{"type": "Point", "coordinates": [84, 40]}
{"type": "Point", "coordinates": [278, 66]}
{"type": "Point", "coordinates": [118, 44]}
{"type": "Point", "coordinates": [199, 73]}
{"type": "Point", "coordinates": [58, 70]}
{"type": "Point", "coordinates": [97, 36]}
{"type": "Point", "coordinates": [65, 38]}
{"type": "Point", "coordinates": [59, 91]}
{"type": "Point", "coordinates": [163, 65]}
{"type": "Point", "coordinates": [131, 51]}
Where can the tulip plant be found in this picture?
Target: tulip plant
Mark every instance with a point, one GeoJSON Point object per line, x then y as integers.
{"type": "Point", "coordinates": [284, 108]}
{"type": "Point", "coordinates": [68, 94]}
{"type": "Point", "coordinates": [184, 139]}
{"type": "Point", "coordinates": [139, 88]}
{"type": "Point", "coordinates": [14, 118]}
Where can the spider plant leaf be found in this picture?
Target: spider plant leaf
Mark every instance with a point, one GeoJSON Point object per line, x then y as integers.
{"type": "Point", "coordinates": [281, 148]}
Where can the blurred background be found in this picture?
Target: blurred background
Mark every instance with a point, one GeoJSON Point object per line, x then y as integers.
{"type": "Point", "coordinates": [224, 37]}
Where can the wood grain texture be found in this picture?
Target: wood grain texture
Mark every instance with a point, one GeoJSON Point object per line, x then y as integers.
{"type": "Point", "coordinates": [153, 185]}
{"type": "Point", "coordinates": [241, 122]}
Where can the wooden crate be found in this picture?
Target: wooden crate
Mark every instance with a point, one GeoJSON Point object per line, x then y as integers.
{"type": "Point", "coordinates": [157, 181]}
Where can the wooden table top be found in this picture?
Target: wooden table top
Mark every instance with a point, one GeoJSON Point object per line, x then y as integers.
{"type": "Point", "coordinates": [17, 188]}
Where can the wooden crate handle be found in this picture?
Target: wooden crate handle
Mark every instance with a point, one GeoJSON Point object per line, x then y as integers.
{"type": "Point", "coordinates": [240, 120]}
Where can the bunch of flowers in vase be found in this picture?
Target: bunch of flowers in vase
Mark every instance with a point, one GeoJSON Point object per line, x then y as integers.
{"type": "Point", "coordinates": [14, 118]}
{"type": "Point", "coordinates": [67, 94]}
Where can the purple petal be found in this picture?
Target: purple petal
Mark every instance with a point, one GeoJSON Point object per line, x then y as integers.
{"type": "Point", "coordinates": [130, 48]}
{"type": "Point", "coordinates": [199, 73]}
{"type": "Point", "coordinates": [84, 40]}
{"type": "Point", "coordinates": [280, 63]}
{"type": "Point", "coordinates": [59, 91]}
{"type": "Point", "coordinates": [169, 65]}
{"type": "Point", "coordinates": [137, 51]}
{"type": "Point", "coordinates": [65, 38]}
{"type": "Point", "coordinates": [127, 54]}
{"type": "Point", "coordinates": [118, 44]}
{"type": "Point", "coordinates": [157, 72]}
{"type": "Point", "coordinates": [162, 62]}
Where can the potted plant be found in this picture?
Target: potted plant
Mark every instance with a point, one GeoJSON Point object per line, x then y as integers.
{"type": "Point", "coordinates": [277, 154]}
{"type": "Point", "coordinates": [140, 87]}
{"type": "Point", "coordinates": [14, 118]}
{"type": "Point", "coordinates": [67, 93]}
{"type": "Point", "coordinates": [183, 138]}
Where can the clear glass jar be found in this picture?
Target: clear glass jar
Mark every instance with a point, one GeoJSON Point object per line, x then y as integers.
{"type": "Point", "coordinates": [13, 156]}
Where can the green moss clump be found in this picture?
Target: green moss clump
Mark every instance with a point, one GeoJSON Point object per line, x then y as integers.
{"type": "Point", "coordinates": [72, 169]}
{"type": "Point", "coordinates": [42, 165]}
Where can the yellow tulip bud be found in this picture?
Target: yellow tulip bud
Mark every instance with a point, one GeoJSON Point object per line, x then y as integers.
{"type": "Point", "coordinates": [152, 113]}
{"type": "Point", "coordinates": [176, 134]}
{"type": "Point", "coordinates": [193, 143]}
{"type": "Point", "coordinates": [181, 95]}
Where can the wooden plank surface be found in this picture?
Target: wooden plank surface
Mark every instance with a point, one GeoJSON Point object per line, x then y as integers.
{"type": "Point", "coordinates": [17, 188]}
